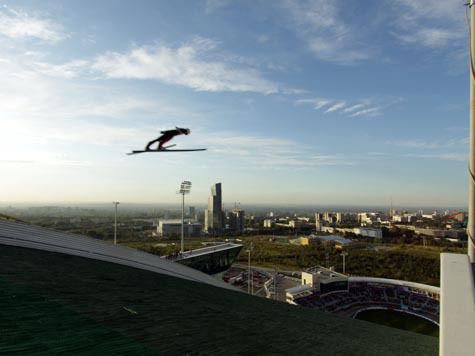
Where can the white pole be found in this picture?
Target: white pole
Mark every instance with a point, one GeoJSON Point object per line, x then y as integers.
{"type": "Point", "coordinates": [182, 222]}
{"type": "Point", "coordinates": [248, 271]}
{"type": "Point", "coordinates": [115, 222]}
{"type": "Point", "coordinates": [344, 254]}
{"type": "Point", "coordinates": [471, 189]}
{"type": "Point", "coordinates": [252, 282]}
{"type": "Point", "coordinates": [275, 283]}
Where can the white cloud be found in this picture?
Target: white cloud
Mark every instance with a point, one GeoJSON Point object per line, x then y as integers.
{"type": "Point", "coordinates": [336, 107]}
{"type": "Point", "coordinates": [458, 157]}
{"type": "Point", "coordinates": [262, 152]}
{"type": "Point", "coordinates": [321, 103]}
{"type": "Point", "coordinates": [415, 10]}
{"type": "Point", "coordinates": [213, 5]}
{"type": "Point", "coordinates": [335, 50]}
{"type": "Point", "coordinates": [188, 65]}
{"type": "Point", "coordinates": [317, 103]}
{"type": "Point", "coordinates": [417, 143]}
{"type": "Point", "coordinates": [19, 24]}
{"type": "Point", "coordinates": [374, 111]}
{"type": "Point", "coordinates": [67, 70]}
{"type": "Point", "coordinates": [314, 15]}
{"type": "Point", "coordinates": [320, 25]}
{"type": "Point", "coordinates": [353, 108]}
{"type": "Point", "coordinates": [262, 39]}
{"type": "Point", "coordinates": [438, 25]}
{"type": "Point", "coordinates": [368, 107]}
{"type": "Point", "coordinates": [430, 37]}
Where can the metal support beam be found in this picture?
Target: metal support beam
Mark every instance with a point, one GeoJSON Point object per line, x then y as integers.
{"type": "Point", "coordinates": [471, 165]}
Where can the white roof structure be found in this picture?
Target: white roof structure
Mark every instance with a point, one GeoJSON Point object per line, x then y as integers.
{"type": "Point", "coordinates": [336, 238]}
{"type": "Point", "coordinates": [35, 237]}
{"type": "Point", "coordinates": [207, 250]}
{"type": "Point", "coordinates": [425, 287]}
{"type": "Point", "coordinates": [299, 289]}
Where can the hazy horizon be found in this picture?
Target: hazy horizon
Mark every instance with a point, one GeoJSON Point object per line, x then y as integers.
{"type": "Point", "coordinates": [227, 205]}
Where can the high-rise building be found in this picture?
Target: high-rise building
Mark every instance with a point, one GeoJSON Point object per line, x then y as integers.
{"type": "Point", "coordinates": [192, 212]}
{"type": "Point", "coordinates": [214, 213]}
{"type": "Point", "coordinates": [235, 220]}
{"type": "Point", "coordinates": [338, 218]}
{"type": "Point", "coordinates": [332, 218]}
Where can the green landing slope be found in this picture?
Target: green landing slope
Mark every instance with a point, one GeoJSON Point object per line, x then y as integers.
{"type": "Point", "coordinates": [52, 303]}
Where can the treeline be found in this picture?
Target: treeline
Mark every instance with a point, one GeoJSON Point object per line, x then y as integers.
{"type": "Point", "coordinates": [422, 266]}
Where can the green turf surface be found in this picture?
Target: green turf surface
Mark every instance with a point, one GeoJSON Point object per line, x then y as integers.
{"type": "Point", "coordinates": [400, 320]}
{"type": "Point", "coordinates": [87, 304]}
{"type": "Point", "coordinates": [30, 324]}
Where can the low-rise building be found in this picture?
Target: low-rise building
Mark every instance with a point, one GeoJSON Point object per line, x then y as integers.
{"type": "Point", "coordinates": [430, 232]}
{"type": "Point", "coordinates": [337, 240]}
{"type": "Point", "coordinates": [324, 280]}
{"type": "Point", "coordinates": [328, 229]}
{"type": "Point", "coordinates": [172, 228]}
{"type": "Point", "coordinates": [268, 223]}
{"type": "Point", "coordinates": [368, 232]}
{"type": "Point", "coordinates": [300, 241]}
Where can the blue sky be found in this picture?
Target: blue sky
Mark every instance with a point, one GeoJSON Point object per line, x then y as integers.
{"type": "Point", "coordinates": [311, 102]}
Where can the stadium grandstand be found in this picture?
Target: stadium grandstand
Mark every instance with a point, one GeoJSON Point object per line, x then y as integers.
{"type": "Point", "coordinates": [328, 291]}
{"type": "Point", "coordinates": [69, 294]}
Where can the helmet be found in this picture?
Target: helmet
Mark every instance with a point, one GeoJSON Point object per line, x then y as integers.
{"type": "Point", "coordinates": [183, 131]}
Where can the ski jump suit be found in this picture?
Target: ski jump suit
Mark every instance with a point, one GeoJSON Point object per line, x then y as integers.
{"type": "Point", "coordinates": [167, 136]}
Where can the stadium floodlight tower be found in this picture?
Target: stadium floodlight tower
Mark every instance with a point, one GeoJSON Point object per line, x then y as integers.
{"type": "Point", "coordinates": [344, 254]}
{"type": "Point", "coordinates": [249, 277]}
{"type": "Point", "coordinates": [185, 188]}
{"type": "Point", "coordinates": [115, 221]}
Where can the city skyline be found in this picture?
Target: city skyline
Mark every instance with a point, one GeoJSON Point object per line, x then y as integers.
{"type": "Point", "coordinates": [309, 102]}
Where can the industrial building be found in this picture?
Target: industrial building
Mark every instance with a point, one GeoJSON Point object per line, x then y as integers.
{"type": "Point", "coordinates": [172, 228]}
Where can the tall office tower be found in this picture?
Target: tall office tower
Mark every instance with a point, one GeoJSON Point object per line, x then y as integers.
{"type": "Point", "coordinates": [338, 218]}
{"type": "Point", "coordinates": [192, 212]}
{"type": "Point", "coordinates": [318, 225]}
{"type": "Point", "coordinates": [214, 213]}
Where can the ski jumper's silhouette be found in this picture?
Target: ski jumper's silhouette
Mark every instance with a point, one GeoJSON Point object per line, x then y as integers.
{"type": "Point", "coordinates": [167, 136]}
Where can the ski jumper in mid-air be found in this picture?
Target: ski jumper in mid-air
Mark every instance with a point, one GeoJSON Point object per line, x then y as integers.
{"type": "Point", "coordinates": [167, 136]}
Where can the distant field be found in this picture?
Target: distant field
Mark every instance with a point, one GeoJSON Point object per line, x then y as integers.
{"type": "Point", "coordinates": [400, 320]}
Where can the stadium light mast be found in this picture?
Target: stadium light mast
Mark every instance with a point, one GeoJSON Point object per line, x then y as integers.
{"type": "Point", "coordinates": [185, 188]}
{"type": "Point", "coordinates": [344, 254]}
{"type": "Point", "coordinates": [249, 269]}
{"type": "Point", "coordinates": [471, 162]}
{"type": "Point", "coordinates": [115, 221]}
